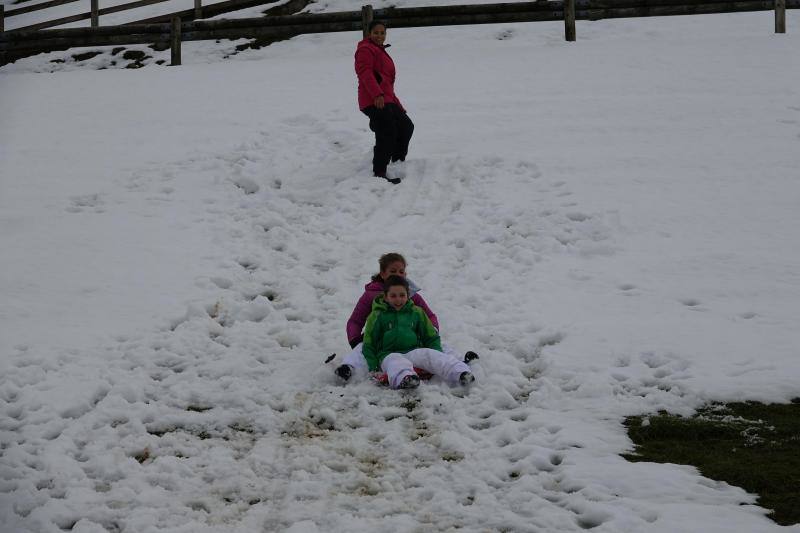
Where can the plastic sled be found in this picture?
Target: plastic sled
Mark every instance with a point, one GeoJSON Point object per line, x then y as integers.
{"type": "Point", "coordinates": [382, 379]}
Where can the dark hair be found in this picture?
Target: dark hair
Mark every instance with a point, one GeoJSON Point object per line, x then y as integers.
{"type": "Point", "coordinates": [385, 261]}
{"type": "Point", "coordinates": [375, 23]}
{"type": "Point", "coordinates": [395, 281]}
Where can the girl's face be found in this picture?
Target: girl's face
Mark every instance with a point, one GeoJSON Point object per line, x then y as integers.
{"type": "Point", "coordinates": [396, 296]}
{"type": "Point", "coordinates": [378, 34]}
{"type": "Point", "coordinates": [398, 268]}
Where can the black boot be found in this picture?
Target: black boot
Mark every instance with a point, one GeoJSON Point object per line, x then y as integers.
{"type": "Point", "coordinates": [466, 378]}
{"type": "Point", "coordinates": [344, 372]}
{"type": "Point", "coordinates": [382, 175]}
{"type": "Point", "coordinates": [470, 356]}
{"type": "Point", "coordinates": [409, 382]}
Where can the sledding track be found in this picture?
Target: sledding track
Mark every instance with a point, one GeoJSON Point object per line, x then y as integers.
{"type": "Point", "coordinates": [226, 419]}
{"type": "Point", "coordinates": [290, 441]}
{"type": "Point", "coordinates": [298, 442]}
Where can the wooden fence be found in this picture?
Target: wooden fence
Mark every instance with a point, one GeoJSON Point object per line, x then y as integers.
{"type": "Point", "coordinates": [17, 44]}
{"type": "Point", "coordinates": [197, 12]}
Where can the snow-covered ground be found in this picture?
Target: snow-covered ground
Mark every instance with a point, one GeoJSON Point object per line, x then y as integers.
{"type": "Point", "coordinates": [612, 224]}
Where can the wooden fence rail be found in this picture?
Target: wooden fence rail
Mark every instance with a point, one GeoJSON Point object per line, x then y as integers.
{"type": "Point", "coordinates": [198, 11]}
{"type": "Point", "coordinates": [14, 45]}
{"type": "Point", "coordinates": [37, 7]}
{"type": "Point", "coordinates": [93, 14]}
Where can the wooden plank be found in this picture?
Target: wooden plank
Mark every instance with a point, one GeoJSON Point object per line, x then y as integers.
{"type": "Point", "coordinates": [83, 33]}
{"type": "Point", "coordinates": [88, 15]}
{"type": "Point", "coordinates": [780, 16]}
{"type": "Point", "coordinates": [432, 11]}
{"type": "Point", "coordinates": [211, 10]}
{"type": "Point", "coordinates": [288, 20]}
{"type": "Point", "coordinates": [221, 7]}
{"type": "Point", "coordinates": [198, 9]}
{"type": "Point", "coordinates": [267, 32]}
{"type": "Point", "coordinates": [489, 18]}
{"type": "Point", "coordinates": [95, 5]}
{"type": "Point", "coordinates": [2, 18]}
{"type": "Point", "coordinates": [129, 5]}
{"type": "Point", "coordinates": [37, 7]}
{"type": "Point", "coordinates": [117, 9]}
{"type": "Point", "coordinates": [72, 42]}
{"type": "Point", "coordinates": [55, 22]}
{"type": "Point", "coordinates": [388, 14]}
{"type": "Point", "coordinates": [618, 4]}
{"type": "Point", "coordinates": [198, 31]}
{"type": "Point", "coordinates": [667, 11]}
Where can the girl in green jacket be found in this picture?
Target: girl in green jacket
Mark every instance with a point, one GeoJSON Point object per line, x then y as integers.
{"type": "Point", "coordinates": [399, 336]}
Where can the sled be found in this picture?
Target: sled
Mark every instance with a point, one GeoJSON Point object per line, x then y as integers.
{"type": "Point", "coordinates": [382, 379]}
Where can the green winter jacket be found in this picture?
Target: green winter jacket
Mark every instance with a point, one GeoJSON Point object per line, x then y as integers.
{"type": "Point", "coordinates": [391, 331]}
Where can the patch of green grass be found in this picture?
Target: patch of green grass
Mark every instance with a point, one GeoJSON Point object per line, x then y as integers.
{"type": "Point", "coordinates": [751, 445]}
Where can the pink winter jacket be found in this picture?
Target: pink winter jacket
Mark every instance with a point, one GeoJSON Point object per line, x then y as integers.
{"type": "Point", "coordinates": [376, 74]}
{"type": "Point", "coordinates": [355, 324]}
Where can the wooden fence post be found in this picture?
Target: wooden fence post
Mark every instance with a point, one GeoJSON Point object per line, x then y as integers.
{"type": "Point", "coordinates": [95, 13]}
{"type": "Point", "coordinates": [780, 16]}
{"type": "Point", "coordinates": [198, 9]}
{"type": "Point", "coordinates": [2, 29]}
{"type": "Point", "coordinates": [175, 41]}
{"type": "Point", "coordinates": [569, 20]}
{"type": "Point", "coordinates": [366, 19]}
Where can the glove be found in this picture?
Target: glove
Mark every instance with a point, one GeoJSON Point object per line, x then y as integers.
{"type": "Point", "coordinates": [355, 341]}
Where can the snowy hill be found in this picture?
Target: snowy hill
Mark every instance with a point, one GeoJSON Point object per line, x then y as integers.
{"type": "Point", "coordinates": [612, 224]}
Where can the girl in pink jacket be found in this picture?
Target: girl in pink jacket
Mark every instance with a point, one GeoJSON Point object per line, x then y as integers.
{"type": "Point", "coordinates": [376, 99]}
{"type": "Point", "coordinates": [391, 264]}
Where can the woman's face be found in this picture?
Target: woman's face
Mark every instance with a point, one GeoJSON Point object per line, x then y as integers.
{"type": "Point", "coordinates": [378, 34]}
{"type": "Point", "coordinates": [398, 268]}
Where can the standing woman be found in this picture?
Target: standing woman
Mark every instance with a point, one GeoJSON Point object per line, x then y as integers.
{"type": "Point", "coordinates": [376, 99]}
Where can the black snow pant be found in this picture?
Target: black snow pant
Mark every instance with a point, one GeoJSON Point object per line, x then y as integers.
{"type": "Point", "coordinates": [393, 130]}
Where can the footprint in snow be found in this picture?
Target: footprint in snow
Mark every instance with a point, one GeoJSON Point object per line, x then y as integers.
{"type": "Point", "coordinates": [692, 304]}
{"type": "Point", "coordinates": [247, 185]}
{"type": "Point", "coordinates": [654, 360]}
{"type": "Point", "coordinates": [505, 35]}
{"type": "Point", "coordinates": [79, 204]}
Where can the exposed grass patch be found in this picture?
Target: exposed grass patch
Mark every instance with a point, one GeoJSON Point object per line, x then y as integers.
{"type": "Point", "coordinates": [751, 445]}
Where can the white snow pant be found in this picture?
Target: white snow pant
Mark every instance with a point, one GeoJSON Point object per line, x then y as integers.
{"type": "Point", "coordinates": [397, 366]}
{"type": "Point", "coordinates": [356, 359]}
